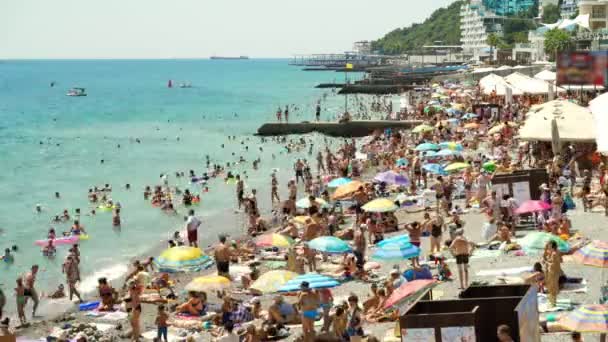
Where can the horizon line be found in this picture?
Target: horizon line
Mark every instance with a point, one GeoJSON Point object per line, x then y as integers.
{"type": "Point", "coordinates": [133, 58]}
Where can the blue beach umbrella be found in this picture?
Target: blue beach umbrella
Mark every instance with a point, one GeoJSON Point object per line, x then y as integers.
{"type": "Point", "coordinates": [399, 239]}
{"type": "Point", "coordinates": [330, 244]}
{"type": "Point", "coordinates": [427, 147]}
{"type": "Point", "coordinates": [429, 154]}
{"type": "Point", "coordinates": [396, 252]}
{"type": "Point", "coordinates": [338, 182]}
{"type": "Point", "coordinates": [468, 116]}
{"type": "Point", "coordinates": [401, 162]}
{"type": "Point", "coordinates": [315, 281]}
{"type": "Point", "coordinates": [446, 153]}
{"type": "Point", "coordinates": [434, 169]}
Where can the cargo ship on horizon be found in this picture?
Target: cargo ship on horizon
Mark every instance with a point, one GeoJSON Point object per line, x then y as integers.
{"type": "Point", "coordinates": [225, 57]}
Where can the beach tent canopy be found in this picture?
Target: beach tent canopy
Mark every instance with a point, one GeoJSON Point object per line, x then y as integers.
{"type": "Point", "coordinates": [599, 108]}
{"type": "Point", "coordinates": [493, 82]}
{"type": "Point", "coordinates": [482, 70]}
{"type": "Point", "coordinates": [546, 75]}
{"type": "Point", "coordinates": [530, 85]}
{"type": "Point", "coordinates": [573, 122]}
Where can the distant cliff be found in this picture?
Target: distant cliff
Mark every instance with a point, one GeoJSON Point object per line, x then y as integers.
{"type": "Point", "coordinates": [443, 25]}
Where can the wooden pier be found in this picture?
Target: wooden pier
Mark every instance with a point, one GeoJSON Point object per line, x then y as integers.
{"type": "Point", "coordinates": [334, 129]}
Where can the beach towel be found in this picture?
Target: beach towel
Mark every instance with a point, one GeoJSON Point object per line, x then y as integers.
{"type": "Point", "coordinates": [113, 316]}
{"type": "Point", "coordinates": [504, 271]}
{"type": "Point", "coordinates": [480, 254]}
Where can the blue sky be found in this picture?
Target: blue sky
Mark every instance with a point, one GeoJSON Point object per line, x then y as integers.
{"type": "Point", "coordinates": [197, 28]}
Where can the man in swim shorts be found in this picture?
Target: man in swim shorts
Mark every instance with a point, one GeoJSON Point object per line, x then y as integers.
{"type": "Point", "coordinates": [29, 280]}
{"type": "Point", "coordinates": [461, 249]}
{"type": "Point", "coordinates": [222, 257]}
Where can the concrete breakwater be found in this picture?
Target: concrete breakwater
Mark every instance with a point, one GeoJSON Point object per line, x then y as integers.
{"type": "Point", "coordinates": [335, 129]}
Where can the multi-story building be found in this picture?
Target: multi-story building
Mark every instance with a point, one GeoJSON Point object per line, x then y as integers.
{"type": "Point", "coordinates": [568, 8]}
{"type": "Point", "coordinates": [476, 23]}
{"type": "Point", "coordinates": [598, 13]}
{"type": "Point", "coordinates": [509, 7]}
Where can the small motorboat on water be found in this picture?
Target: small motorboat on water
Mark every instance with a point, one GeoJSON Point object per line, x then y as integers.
{"type": "Point", "coordinates": [76, 92]}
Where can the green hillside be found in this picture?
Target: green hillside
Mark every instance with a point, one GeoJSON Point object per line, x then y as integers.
{"type": "Point", "coordinates": [443, 25]}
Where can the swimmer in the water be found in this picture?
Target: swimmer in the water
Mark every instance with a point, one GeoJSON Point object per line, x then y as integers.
{"type": "Point", "coordinates": [56, 219]}
{"type": "Point", "coordinates": [128, 186]}
{"type": "Point", "coordinates": [38, 208]}
{"type": "Point", "coordinates": [8, 257]}
{"type": "Point", "coordinates": [57, 195]}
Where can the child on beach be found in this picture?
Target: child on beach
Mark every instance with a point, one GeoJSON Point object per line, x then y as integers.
{"type": "Point", "coordinates": [20, 296]}
{"type": "Point", "coordinates": [161, 323]}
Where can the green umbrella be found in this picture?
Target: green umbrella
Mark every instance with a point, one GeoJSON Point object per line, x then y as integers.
{"type": "Point", "coordinates": [489, 166]}
{"type": "Point", "coordinates": [536, 241]}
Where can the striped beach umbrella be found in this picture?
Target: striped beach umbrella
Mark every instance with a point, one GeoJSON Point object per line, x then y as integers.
{"type": "Point", "coordinates": [338, 181]}
{"type": "Point", "coordinates": [208, 283]}
{"type": "Point", "coordinates": [329, 244]}
{"type": "Point", "coordinates": [182, 259]}
{"type": "Point", "coordinates": [274, 240]}
{"type": "Point", "coordinates": [457, 166]}
{"type": "Point", "coordinates": [315, 281]}
{"type": "Point", "coordinates": [380, 205]}
{"type": "Point", "coordinates": [593, 254]}
{"type": "Point", "coordinates": [396, 252]}
{"type": "Point", "coordinates": [272, 281]}
{"type": "Point", "coordinates": [408, 289]}
{"type": "Point", "coordinates": [587, 318]}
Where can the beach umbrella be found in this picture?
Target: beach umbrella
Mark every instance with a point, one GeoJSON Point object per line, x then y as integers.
{"type": "Point", "coordinates": [532, 206]}
{"type": "Point", "coordinates": [422, 128]}
{"type": "Point", "coordinates": [329, 244]}
{"type": "Point", "coordinates": [300, 219]}
{"type": "Point", "coordinates": [338, 181]}
{"type": "Point", "coordinates": [272, 281]}
{"type": "Point", "coordinates": [451, 145]}
{"type": "Point", "coordinates": [427, 147]}
{"type": "Point", "coordinates": [396, 252]}
{"type": "Point", "coordinates": [536, 241]}
{"type": "Point", "coordinates": [182, 259]}
{"type": "Point", "coordinates": [593, 254]}
{"type": "Point", "coordinates": [347, 190]}
{"type": "Point", "coordinates": [408, 289]}
{"type": "Point", "coordinates": [380, 205]}
{"type": "Point", "coordinates": [489, 166]}
{"type": "Point", "coordinates": [398, 239]}
{"type": "Point", "coordinates": [469, 116]}
{"type": "Point", "coordinates": [274, 240]}
{"type": "Point", "coordinates": [429, 154]}
{"type": "Point", "coordinates": [315, 281]}
{"type": "Point", "coordinates": [434, 169]}
{"type": "Point", "coordinates": [587, 318]}
{"type": "Point", "coordinates": [391, 177]}
{"type": "Point", "coordinates": [457, 166]}
{"type": "Point", "coordinates": [208, 283]}
{"type": "Point", "coordinates": [471, 125]}
{"type": "Point", "coordinates": [304, 203]}
{"type": "Point", "coordinates": [446, 153]}
{"type": "Point", "coordinates": [402, 162]}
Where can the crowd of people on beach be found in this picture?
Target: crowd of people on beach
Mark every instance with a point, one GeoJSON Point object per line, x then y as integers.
{"type": "Point", "coordinates": [482, 142]}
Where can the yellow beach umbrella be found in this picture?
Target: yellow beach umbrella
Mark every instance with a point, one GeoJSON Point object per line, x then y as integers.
{"type": "Point", "coordinates": [347, 190]}
{"type": "Point", "coordinates": [300, 219]}
{"type": "Point", "coordinates": [271, 281]}
{"type": "Point", "coordinates": [182, 258]}
{"type": "Point", "coordinates": [380, 205]}
{"type": "Point", "coordinates": [208, 283]}
{"type": "Point", "coordinates": [457, 166]}
{"type": "Point", "coordinates": [422, 128]}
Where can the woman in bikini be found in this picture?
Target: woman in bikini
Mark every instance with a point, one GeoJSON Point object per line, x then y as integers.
{"type": "Point", "coordinates": [309, 303]}
{"type": "Point", "coordinates": [194, 306]}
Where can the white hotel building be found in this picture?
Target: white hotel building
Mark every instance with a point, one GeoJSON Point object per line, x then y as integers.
{"type": "Point", "coordinates": [476, 23]}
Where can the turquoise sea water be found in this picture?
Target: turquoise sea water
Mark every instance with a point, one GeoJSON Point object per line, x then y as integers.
{"type": "Point", "coordinates": [51, 142]}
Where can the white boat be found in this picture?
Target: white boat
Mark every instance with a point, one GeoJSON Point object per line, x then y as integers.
{"type": "Point", "coordinates": [76, 92]}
